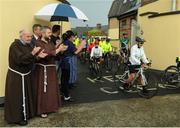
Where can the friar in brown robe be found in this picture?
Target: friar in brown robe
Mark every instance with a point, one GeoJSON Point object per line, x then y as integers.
{"type": "Point", "coordinates": [45, 78]}
{"type": "Point", "coordinates": [18, 90]}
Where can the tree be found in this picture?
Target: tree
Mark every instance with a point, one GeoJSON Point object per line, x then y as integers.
{"type": "Point", "coordinates": [95, 32]}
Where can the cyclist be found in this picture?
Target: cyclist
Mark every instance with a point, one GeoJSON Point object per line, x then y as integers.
{"type": "Point", "coordinates": [96, 52]}
{"type": "Point", "coordinates": [90, 46]}
{"type": "Point", "coordinates": [136, 60]}
{"type": "Point", "coordinates": [96, 57]}
{"type": "Point", "coordinates": [125, 45]}
{"type": "Point", "coordinates": [107, 48]}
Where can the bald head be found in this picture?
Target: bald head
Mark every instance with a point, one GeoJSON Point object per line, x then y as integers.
{"type": "Point", "coordinates": [25, 36]}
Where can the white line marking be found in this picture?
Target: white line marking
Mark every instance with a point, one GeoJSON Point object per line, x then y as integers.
{"type": "Point", "coordinates": [167, 86]}
{"type": "Point", "coordinates": [103, 89]}
{"type": "Point", "coordinates": [90, 80]}
{"type": "Point", "coordinates": [98, 80]}
{"type": "Point", "coordinates": [109, 79]}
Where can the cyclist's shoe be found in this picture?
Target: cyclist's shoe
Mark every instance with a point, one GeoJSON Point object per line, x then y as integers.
{"type": "Point", "coordinates": [68, 99]}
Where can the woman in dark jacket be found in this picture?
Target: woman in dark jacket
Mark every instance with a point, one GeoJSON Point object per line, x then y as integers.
{"type": "Point", "coordinates": [68, 39]}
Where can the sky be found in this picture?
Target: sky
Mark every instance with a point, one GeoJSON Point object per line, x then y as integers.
{"type": "Point", "coordinates": [96, 10]}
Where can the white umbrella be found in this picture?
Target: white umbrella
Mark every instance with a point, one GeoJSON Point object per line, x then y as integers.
{"type": "Point", "coordinates": [60, 12]}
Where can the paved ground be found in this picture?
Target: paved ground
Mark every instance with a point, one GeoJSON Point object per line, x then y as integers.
{"type": "Point", "coordinates": [96, 108]}
{"type": "Point", "coordinates": [159, 111]}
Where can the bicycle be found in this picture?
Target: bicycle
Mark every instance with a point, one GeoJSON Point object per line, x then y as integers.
{"type": "Point", "coordinates": [171, 76]}
{"type": "Point", "coordinates": [95, 68]}
{"type": "Point", "coordinates": [149, 80]}
{"type": "Point", "coordinates": [124, 53]}
{"type": "Point", "coordinates": [118, 62]}
{"type": "Point", "coordinates": [107, 62]}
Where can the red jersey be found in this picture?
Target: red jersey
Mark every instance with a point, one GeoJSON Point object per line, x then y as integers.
{"type": "Point", "coordinates": [90, 46]}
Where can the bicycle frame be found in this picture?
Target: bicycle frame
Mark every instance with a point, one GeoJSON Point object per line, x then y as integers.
{"type": "Point", "coordinates": [122, 78]}
{"type": "Point", "coordinates": [95, 65]}
{"type": "Point", "coordinates": [139, 73]}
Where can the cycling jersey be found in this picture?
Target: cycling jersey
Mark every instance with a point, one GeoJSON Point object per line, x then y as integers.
{"type": "Point", "coordinates": [137, 55]}
{"type": "Point", "coordinates": [106, 47]}
{"type": "Point", "coordinates": [96, 52]}
{"type": "Point", "coordinates": [124, 43]}
{"type": "Point", "coordinates": [90, 46]}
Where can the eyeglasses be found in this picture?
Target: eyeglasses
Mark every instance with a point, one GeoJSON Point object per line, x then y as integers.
{"type": "Point", "coordinates": [141, 43]}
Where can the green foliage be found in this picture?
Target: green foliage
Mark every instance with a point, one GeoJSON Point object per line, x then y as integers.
{"type": "Point", "coordinates": [75, 32]}
{"type": "Point", "coordinates": [95, 32]}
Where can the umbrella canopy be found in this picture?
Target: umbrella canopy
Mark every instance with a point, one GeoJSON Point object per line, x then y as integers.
{"type": "Point", "coordinates": [60, 12]}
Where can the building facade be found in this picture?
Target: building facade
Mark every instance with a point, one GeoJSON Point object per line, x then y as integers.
{"type": "Point", "coordinates": [122, 19]}
{"type": "Point", "coordinates": [16, 15]}
{"type": "Point", "coordinates": [160, 23]}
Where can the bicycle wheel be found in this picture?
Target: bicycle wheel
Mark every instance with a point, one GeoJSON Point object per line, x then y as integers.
{"type": "Point", "coordinates": [123, 67]}
{"type": "Point", "coordinates": [121, 80]}
{"type": "Point", "coordinates": [91, 68]}
{"type": "Point", "coordinates": [114, 66]}
{"type": "Point", "coordinates": [97, 70]}
{"type": "Point", "coordinates": [114, 62]}
{"type": "Point", "coordinates": [171, 78]}
{"type": "Point", "coordinates": [151, 86]}
{"type": "Point", "coordinates": [107, 63]}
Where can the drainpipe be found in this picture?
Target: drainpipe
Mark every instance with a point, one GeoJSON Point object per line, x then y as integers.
{"type": "Point", "coordinates": [174, 5]}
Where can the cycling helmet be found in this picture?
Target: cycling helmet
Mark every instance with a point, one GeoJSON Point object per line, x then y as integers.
{"type": "Point", "coordinates": [97, 38]}
{"type": "Point", "coordinates": [108, 39]}
{"type": "Point", "coordinates": [140, 40]}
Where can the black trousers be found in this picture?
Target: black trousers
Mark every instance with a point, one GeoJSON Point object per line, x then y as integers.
{"type": "Point", "coordinates": [133, 68]}
{"type": "Point", "coordinates": [65, 82]}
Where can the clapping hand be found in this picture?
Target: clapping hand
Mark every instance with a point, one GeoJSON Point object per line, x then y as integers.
{"type": "Point", "coordinates": [35, 50]}
{"type": "Point", "coordinates": [42, 54]}
{"type": "Point", "coordinates": [83, 43]}
{"type": "Point", "coordinates": [61, 48]}
{"type": "Point", "coordinates": [58, 42]}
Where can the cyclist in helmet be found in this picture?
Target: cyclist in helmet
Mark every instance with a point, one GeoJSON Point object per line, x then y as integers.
{"type": "Point", "coordinates": [137, 59]}
{"type": "Point", "coordinates": [124, 44]}
{"type": "Point", "coordinates": [107, 48]}
{"type": "Point", "coordinates": [96, 52]}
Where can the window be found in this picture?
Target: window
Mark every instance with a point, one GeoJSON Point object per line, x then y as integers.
{"type": "Point", "coordinates": [123, 24]}
{"type": "Point", "coordinates": [132, 19]}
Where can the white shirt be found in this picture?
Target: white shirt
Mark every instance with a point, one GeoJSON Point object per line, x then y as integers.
{"type": "Point", "coordinates": [137, 55]}
{"type": "Point", "coordinates": [96, 52]}
{"type": "Point", "coordinates": [36, 37]}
